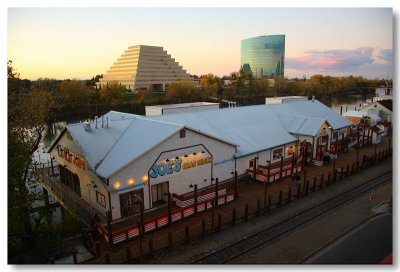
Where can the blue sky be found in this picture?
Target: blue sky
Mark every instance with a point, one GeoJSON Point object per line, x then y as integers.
{"type": "Point", "coordinates": [83, 42]}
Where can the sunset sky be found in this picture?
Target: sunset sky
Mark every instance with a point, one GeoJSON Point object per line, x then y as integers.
{"type": "Point", "coordinates": [83, 42]}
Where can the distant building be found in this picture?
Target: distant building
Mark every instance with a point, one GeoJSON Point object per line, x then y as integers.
{"type": "Point", "coordinates": [354, 116]}
{"type": "Point", "coordinates": [182, 107]}
{"type": "Point", "coordinates": [142, 66]}
{"type": "Point", "coordinates": [381, 108]}
{"type": "Point", "coordinates": [263, 56]}
{"type": "Point", "coordinates": [284, 99]}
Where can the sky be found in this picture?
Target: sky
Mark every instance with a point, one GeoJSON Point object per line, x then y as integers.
{"type": "Point", "coordinates": [83, 42]}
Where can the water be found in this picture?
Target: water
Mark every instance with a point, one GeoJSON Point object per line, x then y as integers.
{"type": "Point", "coordinates": [350, 102]}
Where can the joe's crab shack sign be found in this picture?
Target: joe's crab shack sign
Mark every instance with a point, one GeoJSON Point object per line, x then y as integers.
{"type": "Point", "coordinates": [168, 168]}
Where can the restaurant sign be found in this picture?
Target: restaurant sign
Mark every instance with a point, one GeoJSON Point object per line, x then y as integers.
{"type": "Point", "coordinates": [167, 168]}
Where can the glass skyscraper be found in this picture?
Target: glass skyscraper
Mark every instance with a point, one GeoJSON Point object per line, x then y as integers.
{"type": "Point", "coordinates": [264, 56]}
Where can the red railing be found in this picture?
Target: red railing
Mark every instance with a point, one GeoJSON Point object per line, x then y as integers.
{"type": "Point", "coordinates": [275, 173]}
{"type": "Point", "coordinates": [160, 222]}
{"type": "Point", "coordinates": [199, 194]}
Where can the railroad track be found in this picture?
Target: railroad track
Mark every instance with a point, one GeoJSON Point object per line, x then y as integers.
{"type": "Point", "coordinates": [244, 245]}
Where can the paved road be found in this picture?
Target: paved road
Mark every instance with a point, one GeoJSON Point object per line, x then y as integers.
{"type": "Point", "coordinates": [368, 244]}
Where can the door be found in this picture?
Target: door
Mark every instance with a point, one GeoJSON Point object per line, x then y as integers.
{"type": "Point", "coordinates": [158, 191]}
{"type": "Point", "coordinates": [130, 203]}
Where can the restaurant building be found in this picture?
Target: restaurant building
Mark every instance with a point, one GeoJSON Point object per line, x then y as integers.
{"type": "Point", "coordinates": [120, 157]}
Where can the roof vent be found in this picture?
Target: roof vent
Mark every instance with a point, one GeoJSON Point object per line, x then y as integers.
{"type": "Point", "coordinates": [102, 121]}
{"type": "Point", "coordinates": [95, 118]}
{"type": "Point", "coordinates": [86, 126]}
{"type": "Point", "coordinates": [108, 122]}
{"type": "Point", "coordinates": [313, 98]}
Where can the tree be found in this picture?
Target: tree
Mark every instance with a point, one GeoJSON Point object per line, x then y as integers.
{"type": "Point", "coordinates": [261, 87]}
{"type": "Point", "coordinates": [183, 91]}
{"type": "Point", "coordinates": [112, 92]}
{"type": "Point", "coordinates": [27, 113]}
{"type": "Point", "coordinates": [230, 92]}
{"type": "Point", "coordinates": [75, 93]}
{"type": "Point", "coordinates": [211, 84]}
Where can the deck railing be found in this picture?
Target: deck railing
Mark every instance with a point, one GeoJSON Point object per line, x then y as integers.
{"type": "Point", "coordinates": [51, 182]}
{"type": "Point", "coordinates": [160, 222]}
{"type": "Point", "coordinates": [275, 172]}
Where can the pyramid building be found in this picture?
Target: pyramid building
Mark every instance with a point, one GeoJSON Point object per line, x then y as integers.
{"type": "Point", "coordinates": [142, 66]}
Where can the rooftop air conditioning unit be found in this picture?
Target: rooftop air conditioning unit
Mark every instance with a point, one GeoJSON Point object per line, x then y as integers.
{"type": "Point", "coordinates": [86, 126]}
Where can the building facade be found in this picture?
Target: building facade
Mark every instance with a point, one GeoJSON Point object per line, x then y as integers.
{"type": "Point", "coordinates": [142, 66]}
{"type": "Point", "coordinates": [264, 56]}
{"type": "Point", "coordinates": [381, 108]}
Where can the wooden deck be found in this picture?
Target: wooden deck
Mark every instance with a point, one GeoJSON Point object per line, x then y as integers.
{"type": "Point", "coordinates": [67, 198]}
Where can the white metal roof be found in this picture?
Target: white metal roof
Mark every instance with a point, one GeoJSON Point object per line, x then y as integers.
{"type": "Point", "coordinates": [96, 143]}
{"type": "Point", "coordinates": [311, 109]}
{"type": "Point", "coordinates": [141, 136]}
{"type": "Point", "coordinates": [253, 128]}
{"type": "Point", "coordinates": [302, 125]}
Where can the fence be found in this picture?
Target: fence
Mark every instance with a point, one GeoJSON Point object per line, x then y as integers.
{"type": "Point", "coordinates": [218, 221]}
{"type": "Point", "coordinates": [275, 173]}
{"type": "Point", "coordinates": [130, 233]}
{"type": "Point", "coordinates": [184, 201]}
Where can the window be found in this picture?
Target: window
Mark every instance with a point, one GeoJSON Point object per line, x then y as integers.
{"type": "Point", "coordinates": [101, 199]}
{"type": "Point", "coordinates": [323, 139]}
{"type": "Point", "coordinates": [277, 154]}
{"type": "Point", "coordinates": [182, 133]}
{"type": "Point", "coordinates": [69, 179]}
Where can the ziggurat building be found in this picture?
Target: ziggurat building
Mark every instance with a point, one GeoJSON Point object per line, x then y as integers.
{"type": "Point", "coordinates": [142, 66]}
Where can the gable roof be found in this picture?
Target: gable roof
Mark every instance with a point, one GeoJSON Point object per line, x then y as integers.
{"type": "Point", "coordinates": [129, 136]}
{"type": "Point", "coordinates": [311, 109]}
{"type": "Point", "coordinates": [140, 136]}
{"type": "Point", "coordinates": [302, 125]}
{"type": "Point", "coordinates": [96, 143]}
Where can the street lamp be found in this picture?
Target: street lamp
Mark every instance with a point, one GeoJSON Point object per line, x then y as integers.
{"type": "Point", "coordinates": [266, 185]}
{"type": "Point", "coordinates": [195, 198]}
{"type": "Point", "coordinates": [236, 183]}
{"type": "Point", "coordinates": [139, 201]}
{"type": "Point", "coordinates": [169, 208]}
{"type": "Point", "coordinates": [216, 192]}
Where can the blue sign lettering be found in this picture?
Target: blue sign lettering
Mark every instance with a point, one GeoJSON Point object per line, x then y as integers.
{"type": "Point", "coordinates": [165, 168]}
